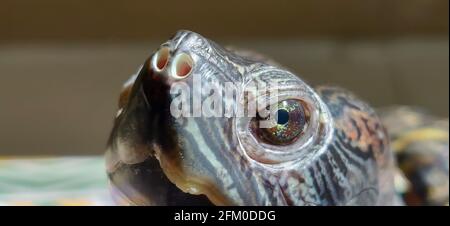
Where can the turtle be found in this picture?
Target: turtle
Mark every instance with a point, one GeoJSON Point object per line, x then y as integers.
{"type": "Point", "coordinates": [200, 124]}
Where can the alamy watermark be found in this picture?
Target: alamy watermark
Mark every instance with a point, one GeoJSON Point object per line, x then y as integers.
{"type": "Point", "coordinates": [225, 99]}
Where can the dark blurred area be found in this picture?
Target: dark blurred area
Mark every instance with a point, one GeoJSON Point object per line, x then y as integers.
{"type": "Point", "coordinates": [81, 20]}
{"type": "Point", "coordinates": [62, 63]}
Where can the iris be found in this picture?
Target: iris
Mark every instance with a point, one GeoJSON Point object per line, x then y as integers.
{"type": "Point", "coordinates": [291, 121]}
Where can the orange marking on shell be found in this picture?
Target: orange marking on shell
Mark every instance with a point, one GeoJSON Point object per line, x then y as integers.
{"type": "Point", "coordinates": [368, 127]}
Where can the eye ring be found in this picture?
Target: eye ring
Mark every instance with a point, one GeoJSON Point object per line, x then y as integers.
{"type": "Point", "coordinates": [316, 136]}
{"type": "Point", "coordinates": [161, 58]}
{"type": "Point", "coordinates": [182, 66]}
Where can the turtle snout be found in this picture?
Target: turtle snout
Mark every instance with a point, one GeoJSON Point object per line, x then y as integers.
{"type": "Point", "coordinates": [175, 65]}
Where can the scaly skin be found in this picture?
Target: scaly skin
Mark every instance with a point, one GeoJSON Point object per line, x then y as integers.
{"type": "Point", "coordinates": [153, 158]}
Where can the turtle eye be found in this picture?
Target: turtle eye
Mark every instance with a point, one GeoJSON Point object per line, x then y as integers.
{"type": "Point", "coordinates": [291, 120]}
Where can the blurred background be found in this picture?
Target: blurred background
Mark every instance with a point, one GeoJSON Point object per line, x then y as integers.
{"type": "Point", "coordinates": [62, 62]}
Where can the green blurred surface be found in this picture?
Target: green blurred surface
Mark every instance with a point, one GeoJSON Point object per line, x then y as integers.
{"type": "Point", "coordinates": [54, 181]}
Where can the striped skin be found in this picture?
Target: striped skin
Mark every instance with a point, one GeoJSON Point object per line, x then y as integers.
{"type": "Point", "coordinates": [153, 158]}
{"type": "Point", "coordinates": [362, 143]}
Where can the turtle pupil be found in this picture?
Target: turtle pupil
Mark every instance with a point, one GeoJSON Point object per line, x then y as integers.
{"type": "Point", "coordinates": [282, 116]}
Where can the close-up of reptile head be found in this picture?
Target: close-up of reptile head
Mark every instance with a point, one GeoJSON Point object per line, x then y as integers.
{"type": "Point", "coordinates": [178, 137]}
{"type": "Point", "coordinates": [232, 111]}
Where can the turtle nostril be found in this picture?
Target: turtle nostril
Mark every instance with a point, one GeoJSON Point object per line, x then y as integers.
{"type": "Point", "coordinates": [183, 64]}
{"type": "Point", "coordinates": [161, 58]}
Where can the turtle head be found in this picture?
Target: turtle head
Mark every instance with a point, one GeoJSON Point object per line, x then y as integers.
{"type": "Point", "coordinates": [205, 125]}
